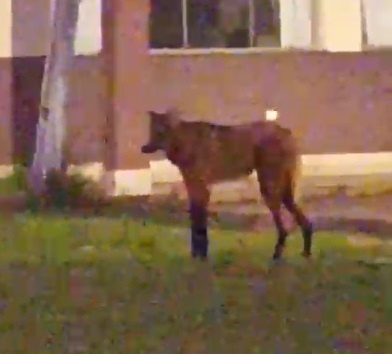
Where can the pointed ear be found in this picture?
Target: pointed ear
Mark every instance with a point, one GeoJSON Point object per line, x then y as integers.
{"type": "Point", "coordinates": [174, 117]}
{"type": "Point", "coordinates": [154, 117]}
{"type": "Point", "coordinates": [174, 121]}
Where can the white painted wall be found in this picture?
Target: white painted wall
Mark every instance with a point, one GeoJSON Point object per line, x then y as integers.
{"type": "Point", "coordinates": [339, 25]}
{"type": "Point", "coordinates": [378, 22]}
{"type": "Point", "coordinates": [296, 24]}
{"type": "Point", "coordinates": [89, 34]}
{"type": "Point", "coordinates": [5, 28]}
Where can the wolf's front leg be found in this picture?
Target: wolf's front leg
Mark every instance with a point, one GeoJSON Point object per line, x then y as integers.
{"type": "Point", "coordinates": [199, 230]}
{"type": "Point", "coordinates": [199, 195]}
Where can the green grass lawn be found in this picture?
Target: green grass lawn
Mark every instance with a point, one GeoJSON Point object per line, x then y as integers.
{"type": "Point", "coordinates": [117, 286]}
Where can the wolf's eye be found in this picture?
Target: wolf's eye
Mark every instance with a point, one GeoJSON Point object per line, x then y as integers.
{"type": "Point", "coordinates": [159, 133]}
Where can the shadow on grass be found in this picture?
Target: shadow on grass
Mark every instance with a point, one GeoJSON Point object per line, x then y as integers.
{"type": "Point", "coordinates": [168, 211]}
{"type": "Point", "coordinates": [165, 211]}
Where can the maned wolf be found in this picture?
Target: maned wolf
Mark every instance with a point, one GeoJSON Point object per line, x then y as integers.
{"type": "Point", "coordinates": [206, 153]}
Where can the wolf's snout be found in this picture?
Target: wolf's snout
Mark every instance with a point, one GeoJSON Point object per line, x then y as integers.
{"type": "Point", "coordinates": [148, 149]}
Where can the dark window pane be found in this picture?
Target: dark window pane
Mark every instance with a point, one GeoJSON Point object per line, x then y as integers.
{"type": "Point", "coordinates": [218, 23]}
{"type": "Point", "coordinates": [166, 24]}
{"type": "Point", "coordinates": [267, 23]}
{"type": "Point", "coordinates": [202, 23]}
{"type": "Point", "coordinates": [214, 23]}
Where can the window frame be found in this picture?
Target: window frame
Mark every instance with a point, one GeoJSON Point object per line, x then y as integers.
{"type": "Point", "coordinates": [186, 50]}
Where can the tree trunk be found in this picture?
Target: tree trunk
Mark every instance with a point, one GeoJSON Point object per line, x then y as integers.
{"type": "Point", "coordinates": [51, 128]}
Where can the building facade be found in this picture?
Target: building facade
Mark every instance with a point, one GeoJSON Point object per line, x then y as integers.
{"type": "Point", "coordinates": [325, 66]}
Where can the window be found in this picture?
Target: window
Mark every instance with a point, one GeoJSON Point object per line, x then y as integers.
{"type": "Point", "coordinates": [377, 23]}
{"type": "Point", "coordinates": [229, 23]}
{"type": "Point", "coordinates": [166, 24]}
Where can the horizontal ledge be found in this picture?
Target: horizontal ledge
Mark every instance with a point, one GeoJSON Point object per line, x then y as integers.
{"type": "Point", "coordinates": [312, 165]}
{"type": "Point", "coordinates": [236, 51]}
{"type": "Point", "coordinates": [140, 181]}
{"type": "Point", "coordinates": [258, 50]}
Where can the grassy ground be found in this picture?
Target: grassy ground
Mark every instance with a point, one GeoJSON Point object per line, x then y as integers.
{"type": "Point", "coordinates": [118, 286]}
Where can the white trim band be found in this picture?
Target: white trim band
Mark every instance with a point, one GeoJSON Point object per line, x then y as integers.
{"type": "Point", "coordinates": [139, 182]}
{"type": "Point", "coordinates": [129, 182]}
{"type": "Point", "coordinates": [6, 171]}
{"type": "Point", "coordinates": [312, 165]}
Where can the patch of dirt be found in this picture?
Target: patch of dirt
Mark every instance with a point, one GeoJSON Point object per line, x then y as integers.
{"type": "Point", "coordinates": [364, 240]}
{"type": "Point", "coordinates": [13, 204]}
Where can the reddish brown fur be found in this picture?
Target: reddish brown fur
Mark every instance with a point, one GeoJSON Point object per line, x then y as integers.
{"type": "Point", "coordinates": [206, 154]}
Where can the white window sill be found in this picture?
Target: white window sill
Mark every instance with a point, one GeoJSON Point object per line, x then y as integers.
{"type": "Point", "coordinates": [229, 51]}
{"type": "Point", "coordinates": [373, 48]}
{"type": "Point", "coordinates": [255, 50]}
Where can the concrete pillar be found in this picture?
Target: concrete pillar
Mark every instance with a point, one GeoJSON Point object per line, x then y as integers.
{"type": "Point", "coordinates": [125, 53]}
{"type": "Point", "coordinates": [337, 25]}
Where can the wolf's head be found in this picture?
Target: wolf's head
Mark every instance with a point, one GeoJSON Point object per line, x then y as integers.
{"type": "Point", "coordinates": [161, 129]}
